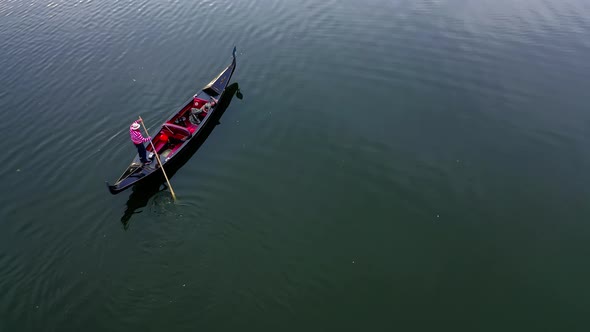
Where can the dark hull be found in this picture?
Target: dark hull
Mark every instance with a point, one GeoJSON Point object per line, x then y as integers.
{"type": "Point", "coordinates": [136, 173]}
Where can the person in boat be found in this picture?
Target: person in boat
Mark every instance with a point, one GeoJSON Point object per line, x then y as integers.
{"type": "Point", "coordinates": [196, 110]}
{"type": "Point", "coordinates": [138, 140]}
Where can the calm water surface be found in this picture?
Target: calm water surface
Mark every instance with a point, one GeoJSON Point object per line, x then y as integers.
{"type": "Point", "coordinates": [392, 165]}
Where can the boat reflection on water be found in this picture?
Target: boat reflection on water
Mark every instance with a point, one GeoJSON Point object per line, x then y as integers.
{"type": "Point", "coordinates": [143, 191]}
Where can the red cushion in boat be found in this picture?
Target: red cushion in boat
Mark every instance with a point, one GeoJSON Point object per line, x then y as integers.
{"type": "Point", "coordinates": [159, 142]}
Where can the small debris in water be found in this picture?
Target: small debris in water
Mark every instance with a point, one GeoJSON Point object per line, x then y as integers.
{"type": "Point", "coordinates": [183, 285]}
{"type": "Point", "coordinates": [18, 169]}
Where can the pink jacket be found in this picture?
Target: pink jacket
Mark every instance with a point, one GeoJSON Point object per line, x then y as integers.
{"type": "Point", "coordinates": [136, 136]}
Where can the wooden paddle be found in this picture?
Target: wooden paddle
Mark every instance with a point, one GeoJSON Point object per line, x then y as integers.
{"type": "Point", "coordinates": [159, 162]}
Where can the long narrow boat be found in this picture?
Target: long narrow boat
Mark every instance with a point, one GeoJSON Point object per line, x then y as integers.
{"type": "Point", "coordinates": [178, 131]}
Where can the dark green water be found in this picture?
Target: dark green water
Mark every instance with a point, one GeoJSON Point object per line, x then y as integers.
{"type": "Point", "coordinates": [393, 165]}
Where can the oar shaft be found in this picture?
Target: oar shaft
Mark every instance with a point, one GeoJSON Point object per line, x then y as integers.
{"type": "Point", "coordinates": [158, 159]}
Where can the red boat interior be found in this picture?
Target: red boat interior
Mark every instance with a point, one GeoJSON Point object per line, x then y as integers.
{"type": "Point", "coordinates": [179, 128]}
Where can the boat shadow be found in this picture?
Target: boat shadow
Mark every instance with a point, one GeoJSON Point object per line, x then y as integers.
{"type": "Point", "coordinates": [143, 191]}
